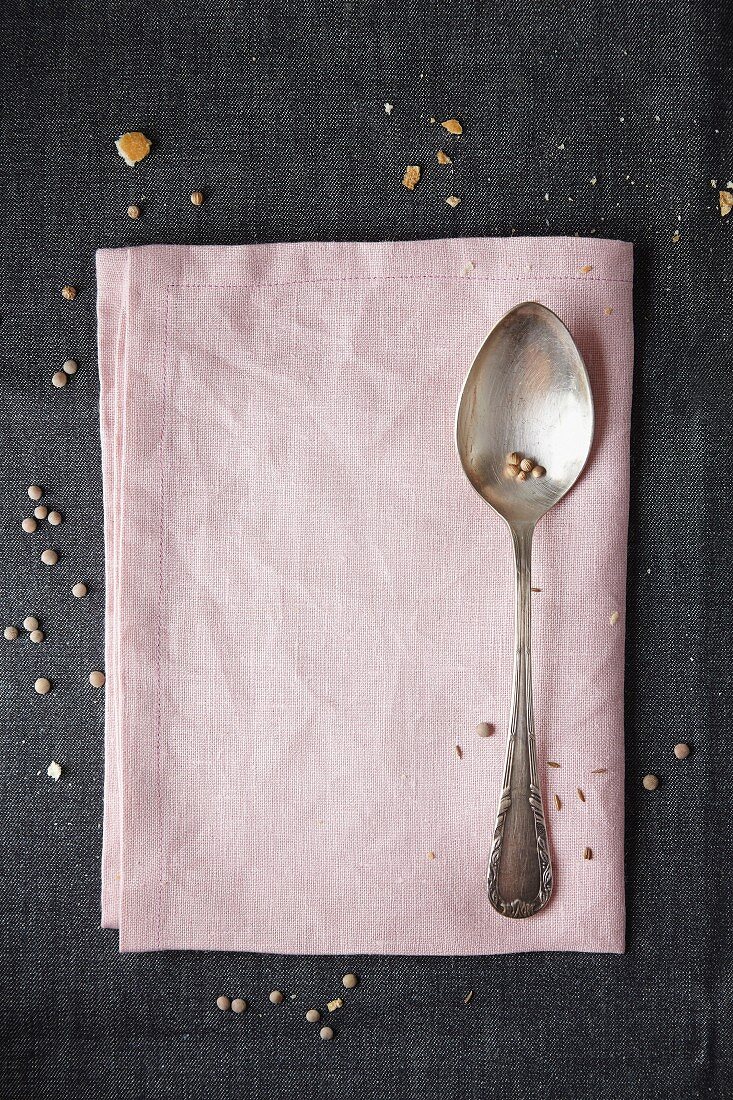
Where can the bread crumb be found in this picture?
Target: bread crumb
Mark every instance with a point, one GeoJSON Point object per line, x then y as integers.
{"type": "Point", "coordinates": [388, 108]}
{"type": "Point", "coordinates": [443, 158]}
{"type": "Point", "coordinates": [676, 237]}
{"type": "Point", "coordinates": [411, 176]}
{"type": "Point", "coordinates": [431, 855]}
{"type": "Point", "coordinates": [453, 200]}
{"type": "Point", "coordinates": [725, 199]}
{"type": "Point", "coordinates": [608, 311]}
{"type": "Point", "coordinates": [452, 125]}
{"type": "Point", "coordinates": [468, 268]}
{"type": "Point", "coordinates": [54, 771]}
{"type": "Point", "coordinates": [586, 269]}
{"type": "Point", "coordinates": [337, 1002]}
{"type": "Point", "coordinates": [593, 181]}
{"type": "Point", "coordinates": [133, 147]}
{"type": "Point", "coordinates": [613, 618]}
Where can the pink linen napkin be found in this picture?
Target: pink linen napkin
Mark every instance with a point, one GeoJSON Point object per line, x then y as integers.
{"type": "Point", "coordinates": [308, 607]}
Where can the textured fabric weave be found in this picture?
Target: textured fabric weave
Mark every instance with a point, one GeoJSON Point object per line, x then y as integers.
{"type": "Point", "coordinates": [281, 482]}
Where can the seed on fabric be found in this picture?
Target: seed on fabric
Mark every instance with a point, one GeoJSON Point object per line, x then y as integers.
{"type": "Point", "coordinates": [55, 518]}
{"type": "Point", "coordinates": [558, 803]}
{"type": "Point", "coordinates": [527, 465]}
{"type": "Point", "coordinates": [69, 293]}
{"type": "Point", "coordinates": [484, 729]}
{"type": "Point", "coordinates": [337, 1002]}
{"type": "Point", "coordinates": [581, 796]}
{"type": "Point", "coordinates": [552, 764]}
{"type": "Point", "coordinates": [411, 176]}
{"type": "Point", "coordinates": [538, 471]}
{"type": "Point", "coordinates": [535, 589]}
{"type": "Point", "coordinates": [59, 379]}
{"type": "Point", "coordinates": [682, 751]}
{"type": "Point", "coordinates": [276, 997]}
{"type": "Point", "coordinates": [650, 782]}
{"type": "Point", "coordinates": [522, 475]}
{"type": "Point", "coordinates": [514, 458]}
{"type": "Point", "coordinates": [350, 981]}
{"type": "Point", "coordinates": [29, 524]}
{"type": "Point", "coordinates": [326, 1033]}
{"type": "Point", "coordinates": [459, 752]}
{"type": "Point", "coordinates": [42, 685]}
{"type": "Point", "coordinates": [613, 618]}
{"type": "Point", "coordinates": [49, 557]}
{"type": "Point", "coordinates": [70, 366]}
{"type": "Point", "coordinates": [31, 622]}
{"type": "Point", "coordinates": [11, 633]}
{"type": "Point", "coordinates": [35, 492]}
{"type": "Point", "coordinates": [79, 590]}
{"type": "Point", "coordinates": [197, 198]}
{"type": "Point", "coordinates": [468, 998]}
{"type": "Point", "coordinates": [586, 269]}
{"type": "Point", "coordinates": [239, 1005]}
{"type": "Point", "coordinates": [133, 211]}
{"type": "Point", "coordinates": [452, 125]}
{"type": "Point", "coordinates": [588, 854]}
{"type": "Point", "coordinates": [223, 1003]}
{"type": "Point", "coordinates": [96, 679]}
{"type": "Point", "coordinates": [443, 158]}
{"type": "Point", "coordinates": [53, 771]}
{"type": "Point", "coordinates": [512, 470]}
{"type": "Point", "coordinates": [133, 147]}
{"type": "Point", "coordinates": [453, 201]}
{"type": "Point", "coordinates": [312, 1015]}
{"type": "Point", "coordinates": [40, 512]}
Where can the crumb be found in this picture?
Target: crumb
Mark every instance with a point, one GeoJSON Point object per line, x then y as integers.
{"type": "Point", "coordinates": [133, 147]}
{"type": "Point", "coordinates": [725, 199]}
{"type": "Point", "coordinates": [411, 176]}
{"type": "Point", "coordinates": [388, 108]}
{"type": "Point", "coordinates": [561, 145]}
{"type": "Point", "coordinates": [433, 119]}
{"type": "Point", "coordinates": [468, 268]}
{"type": "Point", "coordinates": [53, 771]}
{"type": "Point", "coordinates": [593, 181]}
{"type": "Point", "coordinates": [547, 196]}
{"type": "Point", "coordinates": [431, 855]}
{"type": "Point", "coordinates": [586, 269]}
{"type": "Point", "coordinates": [337, 1002]}
{"type": "Point", "coordinates": [453, 201]}
{"type": "Point", "coordinates": [676, 237]}
{"type": "Point", "coordinates": [443, 158]}
{"type": "Point", "coordinates": [608, 311]}
{"type": "Point", "coordinates": [613, 618]}
{"type": "Point", "coordinates": [452, 125]}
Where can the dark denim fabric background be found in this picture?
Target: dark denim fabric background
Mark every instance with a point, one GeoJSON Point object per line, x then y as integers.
{"type": "Point", "coordinates": [276, 111]}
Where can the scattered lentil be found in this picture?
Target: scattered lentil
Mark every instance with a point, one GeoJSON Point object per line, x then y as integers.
{"type": "Point", "coordinates": [443, 158]}
{"type": "Point", "coordinates": [431, 855]}
{"type": "Point", "coordinates": [133, 147]}
{"type": "Point", "coordinates": [35, 492]}
{"type": "Point", "coordinates": [538, 471]}
{"type": "Point", "coordinates": [37, 636]}
{"type": "Point", "coordinates": [411, 176]}
{"type": "Point", "coordinates": [42, 685]}
{"type": "Point", "coordinates": [527, 465]}
{"type": "Point", "coordinates": [453, 201]}
{"type": "Point", "coordinates": [223, 1003]}
{"type": "Point", "coordinates": [682, 751]}
{"type": "Point", "coordinates": [49, 557]}
{"type": "Point", "coordinates": [70, 366]}
{"type": "Point", "coordinates": [54, 518]}
{"type": "Point", "coordinates": [725, 201]}
{"type": "Point", "coordinates": [312, 1015]}
{"type": "Point", "coordinates": [650, 782]}
{"type": "Point", "coordinates": [326, 1033]}
{"type": "Point", "coordinates": [96, 679]}
{"type": "Point", "coordinates": [10, 633]}
{"type": "Point", "coordinates": [552, 764]}
{"type": "Point", "coordinates": [239, 1005]}
{"type": "Point", "coordinates": [79, 590]}
{"type": "Point", "coordinates": [40, 512]}
{"type": "Point", "coordinates": [276, 997]}
{"type": "Point", "coordinates": [133, 211]}
{"type": "Point", "coordinates": [350, 981]}
{"type": "Point", "coordinates": [29, 524]}
{"type": "Point", "coordinates": [588, 854]}
{"type": "Point", "coordinates": [31, 622]}
{"type": "Point", "coordinates": [484, 729]}
{"type": "Point", "coordinates": [197, 198]}
{"type": "Point", "coordinates": [613, 618]}
{"type": "Point", "coordinates": [337, 1002]}
{"type": "Point", "coordinates": [468, 998]}
{"type": "Point", "coordinates": [53, 771]}
{"type": "Point", "coordinates": [452, 125]}
{"type": "Point", "coordinates": [558, 803]}
{"type": "Point", "coordinates": [59, 379]}
{"type": "Point", "coordinates": [69, 293]}
{"type": "Point", "coordinates": [581, 796]}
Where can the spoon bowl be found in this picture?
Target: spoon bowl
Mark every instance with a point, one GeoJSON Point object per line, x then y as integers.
{"type": "Point", "coordinates": [527, 392]}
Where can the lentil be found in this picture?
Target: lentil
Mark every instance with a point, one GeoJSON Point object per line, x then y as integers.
{"type": "Point", "coordinates": [59, 379]}
{"type": "Point", "coordinates": [312, 1015]}
{"type": "Point", "coordinates": [40, 512]}
{"type": "Point", "coordinates": [682, 751]}
{"type": "Point", "coordinates": [239, 1005]}
{"type": "Point", "coordinates": [29, 524]}
{"type": "Point", "coordinates": [49, 557]}
{"type": "Point", "coordinates": [79, 590]}
{"type": "Point", "coordinates": [197, 198]}
{"type": "Point", "coordinates": [31, 623]}
{"type": "Point", "coordinates": [223, 1003]}
{"type": "Point", "coordinates": [35, 492]}
{"type": "Point", "coordinates": [37, 636]}
{"type": "Point", "coordinates": [276, 997]}
{"type": "Point", "coordinates": [55, 518]}
{"type": "Point", "coordinates": [69, 293]}
{"type": "Point", "coordinates": [650, 782]}
{"type": "Point", "coordinates": [42, 685]}
{"type": "Point", "coordinates": [326, 1033]}
{"type": "Point", "coordinates": [96, 679]}
{"type": "Point", "coordinates": [53, 771]}
{"type": "Point", "coordinates": [11, 633]}
{"type": "Point", "coordinates": [350, 981]}
{"type": "Point", "coordinates": [133, 212]}
{"type": "Point", "coordinates": [70, 366]}
{"type": "Point", "coordinates": [431, 855]}
{"type": "Point", "coordinates": [484, 729]}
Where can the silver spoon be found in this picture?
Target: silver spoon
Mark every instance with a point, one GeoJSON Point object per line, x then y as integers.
{"type": "Point", "coordinates": [527, 392]}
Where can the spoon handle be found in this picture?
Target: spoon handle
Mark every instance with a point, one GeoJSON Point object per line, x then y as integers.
{"type": "Point", "coordinates": [519, 879]}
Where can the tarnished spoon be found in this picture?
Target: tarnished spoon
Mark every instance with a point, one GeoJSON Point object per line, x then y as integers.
{"type": "Point", "coordinates": [527, 392]}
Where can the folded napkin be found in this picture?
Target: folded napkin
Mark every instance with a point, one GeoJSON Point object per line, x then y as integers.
{"type": "Point", "coordinates": [308, 606]}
